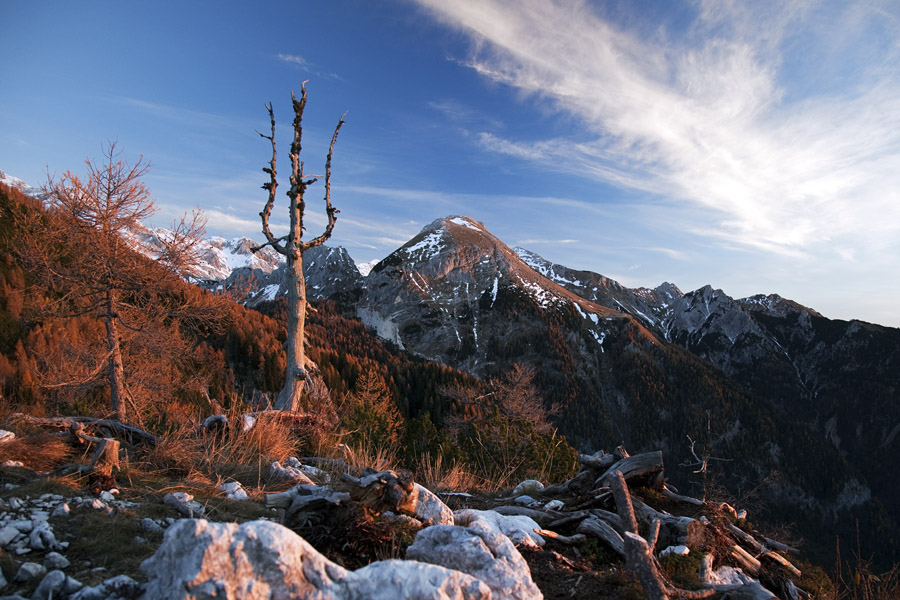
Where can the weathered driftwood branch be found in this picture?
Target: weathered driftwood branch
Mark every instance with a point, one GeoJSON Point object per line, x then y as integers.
{"type": "Point", "coordinates": [644, 467]}
{"type": "Point", "coordinates": [673, 530]}
{"type": "Point", "coordinates": [762, 551]}
{"type": "Point", "coordinates": [302, 503]}
{"type": "Point", "coordinates": [746, 538]}
{"type": "Point", "coordinates": [383, 491]}
{"type": "Point", "coordinates": [639, 561]}
{"type": "Point", "coordinates": [602, 530]}
{"type": "Point", "coordinates": [541, 517]}
{"type": "Point", "coordinates": [776, 545]}
{"type": "Point", "coordinates": [668, 493]}
{"type": "Point", "coordinates": [131, 434]}
{"type": "Point", "coordinates": [745, 560]}
{"type": "Point", "coordinates": [777, 558]}
{"type": "Point", "coordinates": [623, 502]}
{"type": "Point", "coordinates": [571, 517]}
{"type": "Point", "coordinates": [610, 517]}
{"type": "Point", "coordinates": [599, 461]}
{"type": "Point", "coordinates": [564, 539]}
{"type": "Point", "coordinates": [653, 536]}
{"type": "Point", "coordinates": [584, 480]}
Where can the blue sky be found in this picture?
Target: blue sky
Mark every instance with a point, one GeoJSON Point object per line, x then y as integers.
{"type": "Point", "coordinates": [754, 146]}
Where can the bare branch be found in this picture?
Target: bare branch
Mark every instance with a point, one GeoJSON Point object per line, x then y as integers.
{"type": "Point", "coordinates": [329, 209]}
{"type": "Point", "coordinates": [270, 186]}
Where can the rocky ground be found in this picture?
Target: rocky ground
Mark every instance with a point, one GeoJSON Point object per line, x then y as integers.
{"type": "Point", "coordinates": [61, 540]}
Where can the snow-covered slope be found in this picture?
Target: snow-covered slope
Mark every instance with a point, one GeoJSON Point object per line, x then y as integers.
{"type": "Point", "coordinates": [15, 182]}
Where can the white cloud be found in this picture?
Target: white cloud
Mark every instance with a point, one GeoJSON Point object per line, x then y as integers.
{"type": "Point", "coordinates": [293, 59]}
{"type": "Point", "coordinates": [717, 116]}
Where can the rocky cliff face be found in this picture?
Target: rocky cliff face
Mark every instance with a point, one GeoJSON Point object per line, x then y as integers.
{"type": "Point", "coordinates": [442, 295]}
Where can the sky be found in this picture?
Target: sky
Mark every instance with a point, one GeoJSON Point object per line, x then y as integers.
{"type": "Point", "coordinates": [753, 146]}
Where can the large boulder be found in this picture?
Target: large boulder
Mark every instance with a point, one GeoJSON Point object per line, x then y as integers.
{"type": "Point", "coordinates": [199, 560]}
{"type": "Point", "coordinates": [481, 552]}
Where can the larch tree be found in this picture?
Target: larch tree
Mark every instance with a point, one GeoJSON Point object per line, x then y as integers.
{"type": "Point", "coordinates": [292, 246]}
{"type": "Point", "coordinates": [84, 249]}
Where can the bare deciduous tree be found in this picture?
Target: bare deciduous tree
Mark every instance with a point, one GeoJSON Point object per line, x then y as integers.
{"type": "Point", "coordinates": [292, 246]}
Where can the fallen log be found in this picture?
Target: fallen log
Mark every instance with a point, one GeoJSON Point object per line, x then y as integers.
{"type": "Point", "coordinates": [776, 545]}
{"type": "Point", "coordinates": [132, 435]}
{"type": "Point", "coordinates": [576, 485]}
{"type": "Point", "coordinates": [623, 502]}
{"type": "Point", "coordinates": [668, 493]}
{"type": "Point", "coordinates": [610, 517]}
{"type": "Point", "coordinates": [746, 538]}
{"type": "Point", "coordinates": [599, 461]}
{"type": "Point", "coordinates": [745, 560]}
{"type": "Point", "coordinates": [541, 517]}
{"type": "Point", "coordinates": [777, 558]}
{"type": "Point", "coordinates": [639, 562]}
{"type": "Point", "coordinates": [641, 467]}
{"type": "Point", "coordinates": [674, 531]}
{"type": "Point", "coordinates": [602, 530]}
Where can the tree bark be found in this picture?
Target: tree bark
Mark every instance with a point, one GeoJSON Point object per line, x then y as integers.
{"type": "Point", "coordinates": [116, 369]}
{"type": "Point", "coordinates": [295, 369]}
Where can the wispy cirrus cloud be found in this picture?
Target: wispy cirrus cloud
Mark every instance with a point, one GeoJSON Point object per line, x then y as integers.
{"type": "Point", "coordinates": [302, 63]}
{"type": "Point", "coordinates": [721, 116]}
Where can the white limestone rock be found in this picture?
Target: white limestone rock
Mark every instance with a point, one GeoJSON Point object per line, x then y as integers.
{"type": "Point", "coordinates": [677, 550]}
{"type": "Point", "coordinates": [8, 534]}
{"type": "Point", "coordinates": [555, 505]}
{"type": "Point", "coordinates": [234, 491]}
{"type": "Point", "coordinates": [430, 509]}
{"type": "Point", "coordinates": [61, 510]}
{"type": "Point", "coordinates": [56, 584]}
{"type": "Point", "coordinates": [42, 537]}
{"type": "Point", "coordinates": [55, 560]}
{"type": "Point", "coordinates": [116, 588]}
{"type": "Point", "coordinates": [184, 503]}
{"type": "Point", "coordinates": [29, 570]}
{"type": "Point", "coordinates": [200, 560]}
{"type": "Point", "coordinates": [149, 525]}
{"type": "Point", "coordinates": [6, 436]}
{"type": "Point", "coordinates": [288, 473]}
{"type": "Point", "coordinates": [518, 528]}
{"type": "Point", "coordinates": [481, 552]}
{"type": "Point", "coordinates": [529, 487]}
{"type": "Point", "coordinates": [408, 580]}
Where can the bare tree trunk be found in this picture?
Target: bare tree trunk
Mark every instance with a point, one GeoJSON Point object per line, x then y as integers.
{"type": "Point", "coordinates": [295, 370]}
{"type": "Point", "coordinates": [292, 247]}
{"type": "Point", "coordinates": [116, 370]}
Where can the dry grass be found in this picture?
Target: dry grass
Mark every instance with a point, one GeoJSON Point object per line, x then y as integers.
{"type": "Point", "coordinates": [437, 476]}
{"type": "Point", "coordinates": [40, 451]}
{"type": "Point", "coordinates": [369, 456]}
{"type": "Point", "coordinates": [205, 459]}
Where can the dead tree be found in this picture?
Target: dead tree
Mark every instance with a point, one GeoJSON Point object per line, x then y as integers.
{"type": "Point", "coordinates": [292, 247]}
